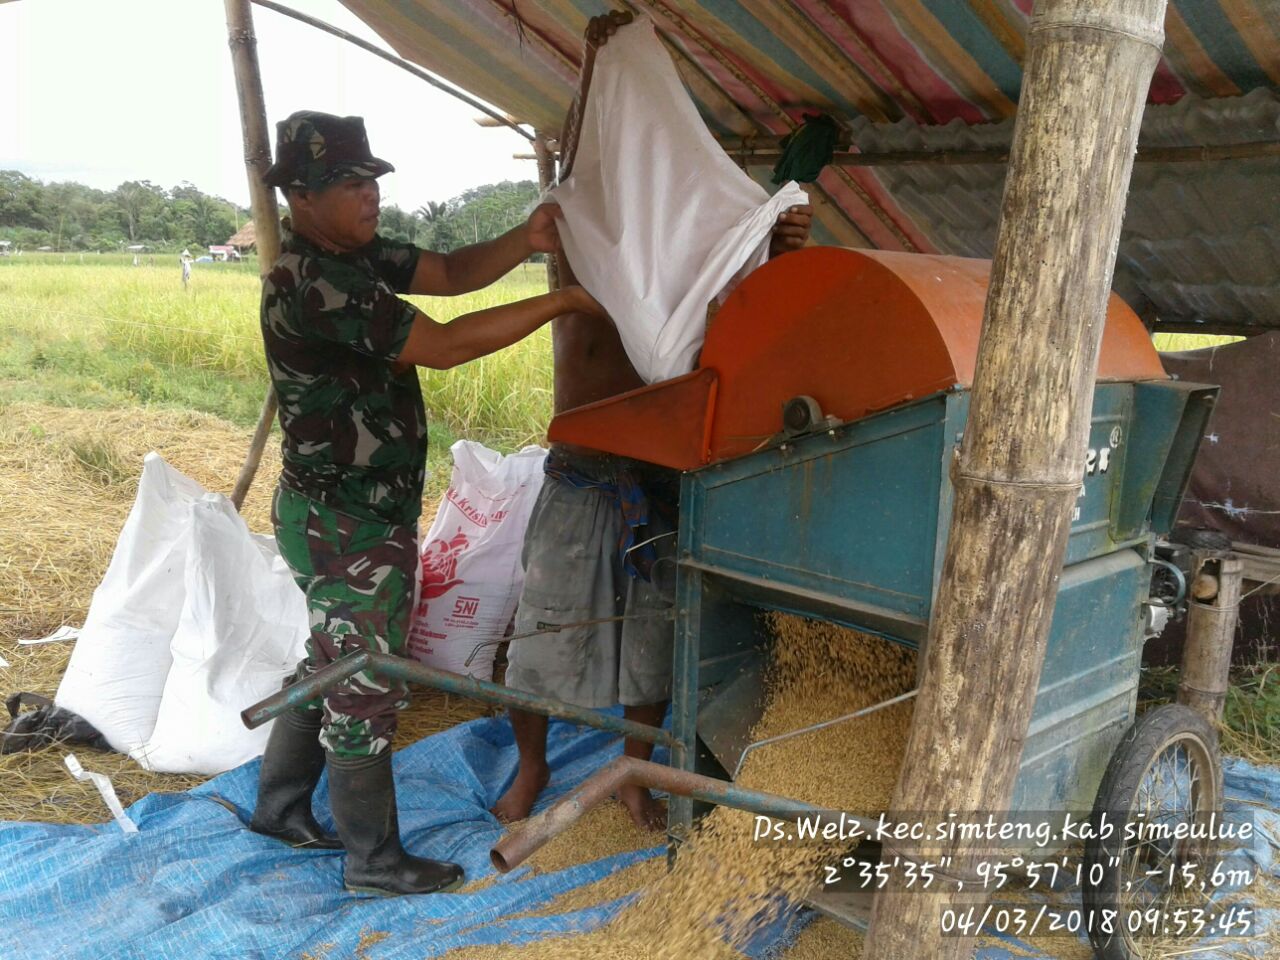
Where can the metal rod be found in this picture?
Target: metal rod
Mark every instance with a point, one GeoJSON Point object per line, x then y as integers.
{"type": "Point", "coordinates": [398, 61]}
{"type": "Point", "coordinates": [822, 726]}
{"type": "Point", "coordinates": [645, 543]}
{"type": "Point", "coordinates": [385, 665]}
{"type": "Point", "coordinates": [514, 848]}
{"type": "Point", "coordinates": [308, 688]}
{"type": "Point", "coordinates": [545, 628]}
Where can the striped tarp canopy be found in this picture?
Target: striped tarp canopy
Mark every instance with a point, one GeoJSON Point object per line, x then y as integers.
{"type": "Point", "coordinates": [754, 67]}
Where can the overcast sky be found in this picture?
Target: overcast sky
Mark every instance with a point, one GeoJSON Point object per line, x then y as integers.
{"type": "Point", "coordinates": [103, 91]}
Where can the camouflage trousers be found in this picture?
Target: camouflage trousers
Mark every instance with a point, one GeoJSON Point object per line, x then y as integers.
{"type": "Point", "coordinates": [358, 577]}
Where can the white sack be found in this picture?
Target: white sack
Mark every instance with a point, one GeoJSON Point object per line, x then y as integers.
{"type": "Point", "coordinates": [118, 668]}
{"type": "Point", "coordinates": [471, 571]}
{"type": "Point", "coordinates": [657, 218]}
{"type": "Point", "coordinates": [195, 619]}
{"type": "Point", "coordinates": [243, 628]}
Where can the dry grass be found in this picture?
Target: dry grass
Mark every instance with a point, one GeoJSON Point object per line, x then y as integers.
{"type": "Point", "coordinates": [67, 481]}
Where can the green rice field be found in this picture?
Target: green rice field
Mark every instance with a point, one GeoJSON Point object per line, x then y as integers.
{"type": "Point", "coordinates": [99, 333]}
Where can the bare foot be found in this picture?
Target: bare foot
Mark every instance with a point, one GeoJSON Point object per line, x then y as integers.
{"type": "Point", "coordinates": [646, 812]}
{"type": "Point", "coordinates": [516, 803]}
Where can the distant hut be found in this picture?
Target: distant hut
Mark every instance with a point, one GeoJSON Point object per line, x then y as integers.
{"type": "Point", "coordinates": [244, 239]}
{"type": "Point", "coordinates": [222, 252]}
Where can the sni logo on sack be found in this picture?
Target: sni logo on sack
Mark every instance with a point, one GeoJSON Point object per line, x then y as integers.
{"type": "Point", "coordinates": [440, 565]}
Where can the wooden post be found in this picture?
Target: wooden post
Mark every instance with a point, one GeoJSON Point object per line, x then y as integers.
{"type": "Point", "coordinates": [1021, 462]}
{"type": "Point", "coordinates": [547, 180]}
{"type": "Point", "coordinates": [266, 213]}
{"type": "Point", "coordinates": [1211, 632]}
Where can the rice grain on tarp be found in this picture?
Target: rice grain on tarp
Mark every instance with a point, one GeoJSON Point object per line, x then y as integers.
{"type": "Point", "coordinates": [725, 885]}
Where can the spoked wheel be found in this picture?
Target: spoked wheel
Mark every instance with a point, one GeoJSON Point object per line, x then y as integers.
{"type": "Point", "coordinates": [1164, 774]}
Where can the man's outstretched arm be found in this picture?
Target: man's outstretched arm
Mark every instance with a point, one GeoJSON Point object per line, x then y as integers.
{"type": "Point", "coordinates": [480, 264]}
{"type": "Point", "coordinates": [444, 345]}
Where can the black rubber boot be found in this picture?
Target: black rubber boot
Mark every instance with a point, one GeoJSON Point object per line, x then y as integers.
{"type": "Point", "coordinates": [363, 795]}
{"type": "Point", "coordinates": [291, 768]}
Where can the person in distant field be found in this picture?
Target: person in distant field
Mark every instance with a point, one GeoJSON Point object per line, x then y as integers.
{"type": "Point", "coordinates": [585, 551]}
{"type": "Point", "coordinates": [341, 350]}
{"type": "Point", "coordinates": [186, 269]}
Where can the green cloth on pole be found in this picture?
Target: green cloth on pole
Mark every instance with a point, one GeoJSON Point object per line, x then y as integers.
{"type": "Point", "coordinates": [807, 149]}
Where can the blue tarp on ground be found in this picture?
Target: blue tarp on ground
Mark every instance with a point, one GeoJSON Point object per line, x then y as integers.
{"type": "Point", "coordinates": [194, 883]}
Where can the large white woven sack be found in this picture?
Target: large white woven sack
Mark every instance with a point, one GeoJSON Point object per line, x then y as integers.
{"type": "Point", "coordinates": [121, 660]}
{"type": "Point", "coordinates": [243, 628]}
{"type": "Point", "coordinates": [195, 619]}
{"type": "Point", "coordinates": [658, 219]}
{"type": "Point", "coordinates": [471, 571]}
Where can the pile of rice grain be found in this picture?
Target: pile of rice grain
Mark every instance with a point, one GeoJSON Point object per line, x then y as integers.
{"type": "Point", "coordinates": [725, 886]}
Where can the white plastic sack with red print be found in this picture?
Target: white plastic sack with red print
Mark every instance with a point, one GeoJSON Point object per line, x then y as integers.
{"type": "Point", "coordinates": [471, 571]}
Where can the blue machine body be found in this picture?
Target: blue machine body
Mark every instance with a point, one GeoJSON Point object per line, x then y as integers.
{"type": "Point", "coordinates": [850, 525]}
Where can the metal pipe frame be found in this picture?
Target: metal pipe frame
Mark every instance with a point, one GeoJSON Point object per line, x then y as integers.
{"type": "Point", "coordinates": [513, 849]}
{"type": "Point", "coordinates": [386, 665]}
{"type": "Point", "coordinates": [417, 71]}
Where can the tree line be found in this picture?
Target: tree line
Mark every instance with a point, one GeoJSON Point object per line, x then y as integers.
{"type": "Point", "coordinates": [70, 216]}
{"type": "Point", "coordinates": [480, 213]}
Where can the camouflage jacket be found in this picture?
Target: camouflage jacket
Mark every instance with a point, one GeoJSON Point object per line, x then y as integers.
{"type": "Point", "coordinates": [355, 435]}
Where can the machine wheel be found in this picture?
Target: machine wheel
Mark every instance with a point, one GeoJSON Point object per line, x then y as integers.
{"type": "Point", "coordinates": [1166, 770]}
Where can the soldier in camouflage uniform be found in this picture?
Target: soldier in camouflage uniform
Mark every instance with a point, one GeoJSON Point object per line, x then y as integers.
{"type": "Point", "coordinates": [341, 350]}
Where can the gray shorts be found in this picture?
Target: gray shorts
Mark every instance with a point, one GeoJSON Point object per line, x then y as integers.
{"type": "Point", "coordinates": [573, 572]}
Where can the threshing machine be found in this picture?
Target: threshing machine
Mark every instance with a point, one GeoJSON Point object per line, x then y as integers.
{"type": "Point", "coordinates": [816, 437]}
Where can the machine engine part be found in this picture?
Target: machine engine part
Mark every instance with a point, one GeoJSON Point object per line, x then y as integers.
{"type": "Point", "coordinates": [1155, 617]}
{"type": "Point", "coordinates": [802, 415]}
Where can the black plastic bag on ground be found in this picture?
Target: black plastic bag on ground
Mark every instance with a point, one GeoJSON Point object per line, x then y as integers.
{"type": "Point", "coordinates": [44, 725]}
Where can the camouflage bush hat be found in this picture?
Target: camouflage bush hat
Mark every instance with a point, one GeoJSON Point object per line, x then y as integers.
{"type": "Point", "coordinates": [314, 150]}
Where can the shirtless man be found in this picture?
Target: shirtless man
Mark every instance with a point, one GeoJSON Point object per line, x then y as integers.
{"type": "Point", "coordinates": [594, 507]}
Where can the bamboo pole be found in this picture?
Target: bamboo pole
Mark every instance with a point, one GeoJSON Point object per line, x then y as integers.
{"type": "Point", "coordinates": [1021, 461]}
{"type": "Point", "coordinates": [547, 180]}
{"type": "Point", "coordinates": [1211, 633]}
{"type": "Point", "coordinates": [266, 212]}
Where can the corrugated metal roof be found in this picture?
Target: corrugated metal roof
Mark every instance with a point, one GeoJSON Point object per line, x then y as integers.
{"type": "Point", "coordinates": [755, 66]}
{"type": "Point", "coordinates": [1201, 241]}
